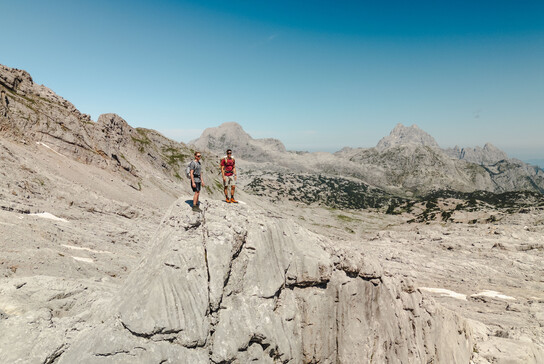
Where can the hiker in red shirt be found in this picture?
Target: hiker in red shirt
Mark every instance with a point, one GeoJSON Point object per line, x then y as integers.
{"type": "Point", "coordinates": [228, 171]}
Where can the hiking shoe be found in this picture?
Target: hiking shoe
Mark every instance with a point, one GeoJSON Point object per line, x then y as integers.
{"type": "Point", "coordinates": [232, 200]}
{"type": "Point", "coordinates": [228, 200]}
{"type": "Point", "coordinates": [196, 209]}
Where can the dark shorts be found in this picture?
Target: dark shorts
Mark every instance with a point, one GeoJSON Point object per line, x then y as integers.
{"type": "Point", "coordinates": [197, 188]}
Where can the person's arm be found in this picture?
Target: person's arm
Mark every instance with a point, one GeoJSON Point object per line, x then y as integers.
{"type": "Point", "coordinates": [234, 172]}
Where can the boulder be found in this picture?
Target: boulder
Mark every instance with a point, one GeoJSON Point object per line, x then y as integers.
{"type": "Point", "coordinates": [236, 284]}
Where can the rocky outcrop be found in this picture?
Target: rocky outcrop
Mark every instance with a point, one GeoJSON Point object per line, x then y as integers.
{"type": "Point", "coordinates": [35, 113]}
{"type": "Point", "coordinates": [237, 284]}
{"type": "Point", "coordinates": [230, 135]}
{"type": "Point", "coordinates": [31, 113]}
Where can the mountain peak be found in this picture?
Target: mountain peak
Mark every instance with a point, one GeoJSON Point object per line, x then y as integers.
{"type": "Point", "coordinates": [405, 135]}
{"type": "Point", "coordinates": [231, 135]}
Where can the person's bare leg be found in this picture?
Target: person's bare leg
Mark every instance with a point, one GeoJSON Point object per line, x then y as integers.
{"type": "Point", "coordinates": [232, 194]}
{"type": "Point", "coordinates": [195, 199]}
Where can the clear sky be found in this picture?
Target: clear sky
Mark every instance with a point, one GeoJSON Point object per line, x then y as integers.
{"type": "Point", "coordinates": [318, 75]}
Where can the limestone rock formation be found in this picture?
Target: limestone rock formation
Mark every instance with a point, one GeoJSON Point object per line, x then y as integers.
{"type": "Point", "coordinates": [239, 285]}
{"type": "Point", "coordinates": [230, 135]}
{"type": "Point", "coordinates": [33, 113]}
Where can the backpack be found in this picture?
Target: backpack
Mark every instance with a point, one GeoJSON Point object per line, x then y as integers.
{"type": "Point", "coordinates": [224, 159]}
{"type": "Point", "coordinates": [188, 170]}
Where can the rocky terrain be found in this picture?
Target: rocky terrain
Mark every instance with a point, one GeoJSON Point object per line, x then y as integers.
{"type": "Point", "coordinates": [104, 261]}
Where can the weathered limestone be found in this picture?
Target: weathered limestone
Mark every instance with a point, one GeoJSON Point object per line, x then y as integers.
{"type": "Point", "coordinates": [35, 114]}
{"type": "Point", "coordinates": [235, 284]}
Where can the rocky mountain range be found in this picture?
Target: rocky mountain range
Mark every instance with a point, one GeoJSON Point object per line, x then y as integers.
{"type": "Point", "coordinates": [102, 259]}
{"type": "Point", "coordinates": [406, 163]}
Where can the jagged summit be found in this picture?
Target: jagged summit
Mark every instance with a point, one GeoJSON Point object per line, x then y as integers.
{"type": "Point", "coordinates": [231, 135]}
{"type": "Point", "coordinates": [404, 135]}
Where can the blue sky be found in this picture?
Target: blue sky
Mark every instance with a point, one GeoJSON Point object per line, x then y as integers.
{"type": "Point", "coordinates": [318, 75]}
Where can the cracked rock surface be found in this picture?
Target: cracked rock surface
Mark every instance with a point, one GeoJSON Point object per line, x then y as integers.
{"type": "Point", "coordinates": [235, 284]}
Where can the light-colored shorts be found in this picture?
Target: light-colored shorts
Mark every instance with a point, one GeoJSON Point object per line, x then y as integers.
{"type": "Point", "coordinates": [229, 180]}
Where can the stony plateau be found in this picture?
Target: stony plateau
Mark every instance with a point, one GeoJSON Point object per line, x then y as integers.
{"type": "Point", "coordinates": [103, 260]}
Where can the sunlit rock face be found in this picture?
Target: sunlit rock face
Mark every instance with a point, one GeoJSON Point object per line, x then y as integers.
{"type": "Point", "coordinates": [238, 285]}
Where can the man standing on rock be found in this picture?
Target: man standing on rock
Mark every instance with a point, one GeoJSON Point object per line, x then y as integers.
{"type": "Point", "coordinates": [196, 179]}
{"type": "Point", "coordinates": [228, 171]}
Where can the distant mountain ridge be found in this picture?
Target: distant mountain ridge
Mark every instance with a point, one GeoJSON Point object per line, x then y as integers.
{"type": "Point", "coordinates": [408, 160]}
{"type": "Point", "coordinates": [489, 154]}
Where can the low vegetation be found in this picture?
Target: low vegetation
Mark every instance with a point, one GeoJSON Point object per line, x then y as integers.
{"type": "Point", "coordinates": [443, 205]}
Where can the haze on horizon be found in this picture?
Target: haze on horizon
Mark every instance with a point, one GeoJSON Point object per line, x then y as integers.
{"type": "Point", "coordinates": [315, 74]}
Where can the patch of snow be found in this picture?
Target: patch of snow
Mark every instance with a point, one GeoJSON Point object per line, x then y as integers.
{"type": "Point", "coordinates": [445, 293]}
{"type": "Point", "coordinates": [47, 215]}
{"type": "Point", "coordinates": [48, 147]}
{"type": "Point", "coordinates": [493, 294]}
{"type": "Point", "coordinates": [87, 249]}
{"type": "Point", "coordinates": [10, 309]}
{"type": "Point", "coordinates": [86, 260]}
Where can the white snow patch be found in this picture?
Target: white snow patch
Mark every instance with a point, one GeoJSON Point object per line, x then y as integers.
{"type": "Point", "coordinates": [47, 215]}
{"type": "Point", "coordinates": [87, 249]}
{"type": "Point", "coordinates": [493, 294]}
{"type": "Point", "coordinates": [48, 147]}
{"type": "Point", "coordinates": [445, 293]}
{"type": "Point", "coordinates": [86, 260]}
{"type": "Point", "coordinates": [10, 309]}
